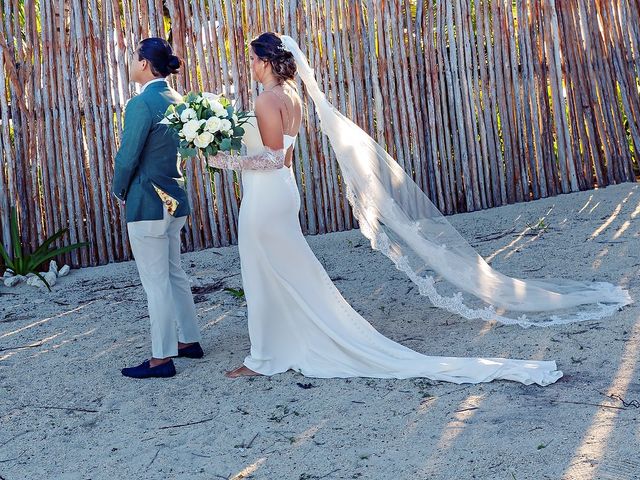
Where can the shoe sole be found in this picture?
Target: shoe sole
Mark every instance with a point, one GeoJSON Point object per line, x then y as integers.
{"type": "Point", "coordinates": [150, 376]}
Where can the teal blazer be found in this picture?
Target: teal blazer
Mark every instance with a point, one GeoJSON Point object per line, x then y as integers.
{"type": "Point", "coordinates": [147, 174]}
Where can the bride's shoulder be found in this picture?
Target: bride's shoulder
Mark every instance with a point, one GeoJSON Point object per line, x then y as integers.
{"type": "Point", "coordinates": [266, 99]}
{"type": "Point", "coordinates": [266, 105]}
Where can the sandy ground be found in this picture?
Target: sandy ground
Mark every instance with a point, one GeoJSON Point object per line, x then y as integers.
{"type": "Point", "coordinates": [67, 413]}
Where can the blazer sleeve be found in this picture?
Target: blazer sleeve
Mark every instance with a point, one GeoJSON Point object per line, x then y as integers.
{"type": "Point", "coordinates": [137, 124]}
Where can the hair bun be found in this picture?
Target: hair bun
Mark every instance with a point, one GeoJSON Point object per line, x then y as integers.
{"type": "Point", "coordinates": [283, 55]}
{"type": "Point", "coordinates": [174, 62]}
{"type": "Point", "coordinates": [158, 52]}
{"type": "Point", "coordinates": [269, 47]}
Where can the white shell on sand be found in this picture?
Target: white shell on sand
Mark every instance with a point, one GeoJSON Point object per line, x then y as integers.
{"type": "Point", "coordinates": [53, 267]}
{"type": "Point", "coordinates": [64, 271]}
{"type": "Point", "coordinates": [14, 280]}
{"type": "Point", "coordinates": [50, 277]}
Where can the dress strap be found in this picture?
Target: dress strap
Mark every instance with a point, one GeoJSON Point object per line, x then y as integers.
{"type": "Point", "coordinates": [286, 105]}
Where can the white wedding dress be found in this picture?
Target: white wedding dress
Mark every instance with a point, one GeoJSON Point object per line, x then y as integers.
{"type": "Point", "coordinates": [298, 319]}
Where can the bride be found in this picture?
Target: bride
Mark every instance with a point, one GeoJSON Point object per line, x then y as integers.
{"type": "Point", "coordinates": [298, 319]}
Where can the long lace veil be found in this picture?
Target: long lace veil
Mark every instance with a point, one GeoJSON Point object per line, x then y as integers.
{"type": "Point", "coordinates": [401, 222]}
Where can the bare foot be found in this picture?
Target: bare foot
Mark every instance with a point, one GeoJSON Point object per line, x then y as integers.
{"type": "Point", "coordinates": [154, 362]}
{"type": "Point", "coordinates": [241, 372]}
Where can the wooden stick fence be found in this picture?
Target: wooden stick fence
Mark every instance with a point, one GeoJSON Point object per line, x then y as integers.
{"type": "Point", "coordinates": [482, 102]}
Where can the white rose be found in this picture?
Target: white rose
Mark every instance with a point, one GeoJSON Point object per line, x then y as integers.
{"type": "Point", "coordinates": [225, 125]}
{"type": "Point", "coordinates": [217, 108]}
{"type": "Point", "coordinates": [203, 140]}
{"type": "Point", "coordinates": [211, 96]}
{"type": "Point", "coordinates": [213, 124]}
{"type": "Point", "coordinates": [190, 129]}
{"type": "Point", "coordinates": [188, 114]}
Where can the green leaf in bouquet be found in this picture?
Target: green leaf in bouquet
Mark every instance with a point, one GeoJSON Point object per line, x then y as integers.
{"type": "Point", "coordinates": [184, 143]}
{"type": "Point", "coordinates": [238, 132]}
{"type": "Point", "coordinates": [170, 109]}
{"type": "Point", "coordinates": [181, 107]}
{"type": "Point", "coordinates": [190, 97]}
{"type": "Point", "coordinates": [230, 111]}
{"type": "Point", "coordinates": [224, 101]}
{"type": "Point", "coordinates": [236, 144]}
{"type": "Point", "coordinates": [208, 150]}
{"type": "Point", "coordinates": [243, 117]}
{"type": "Point", "coordinates": [225, 144]}
{"type": "Point", "coordinates": [207, 113]}
{"type": "Point", "coordinates": [187, 152]}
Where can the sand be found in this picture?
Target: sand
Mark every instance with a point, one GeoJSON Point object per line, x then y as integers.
{"type": "Point", "coordinates": [67, 413]}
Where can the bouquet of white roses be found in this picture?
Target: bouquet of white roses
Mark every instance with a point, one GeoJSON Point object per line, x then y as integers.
{"type": "Point", "coordinates": [206, 123]}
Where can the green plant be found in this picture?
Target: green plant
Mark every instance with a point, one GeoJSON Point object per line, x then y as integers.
{"type": "Point", "coordinates": [24, 263]}
{"type": "Point", "coordinates": [239, 293]}
{"type": "Point", "coordinates": [541, 226]}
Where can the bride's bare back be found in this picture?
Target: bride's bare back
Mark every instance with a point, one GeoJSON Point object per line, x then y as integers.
{"type": "Point", "coordinates": [279, 113]}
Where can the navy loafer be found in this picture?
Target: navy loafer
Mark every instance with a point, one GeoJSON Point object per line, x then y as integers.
{"type": "Point", "coordinates": [145, 370]}
{"type": "Point", "coordinates": [192, 351]}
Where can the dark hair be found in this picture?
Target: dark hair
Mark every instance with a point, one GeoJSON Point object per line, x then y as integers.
{"type": "Point", "coordinates": [269, 47]}
{"type": "Point", "coordinates": [158, 52]}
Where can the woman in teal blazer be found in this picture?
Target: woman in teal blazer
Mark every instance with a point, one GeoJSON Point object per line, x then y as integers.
{"type": "Point", "coordinates": [148, 179]}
